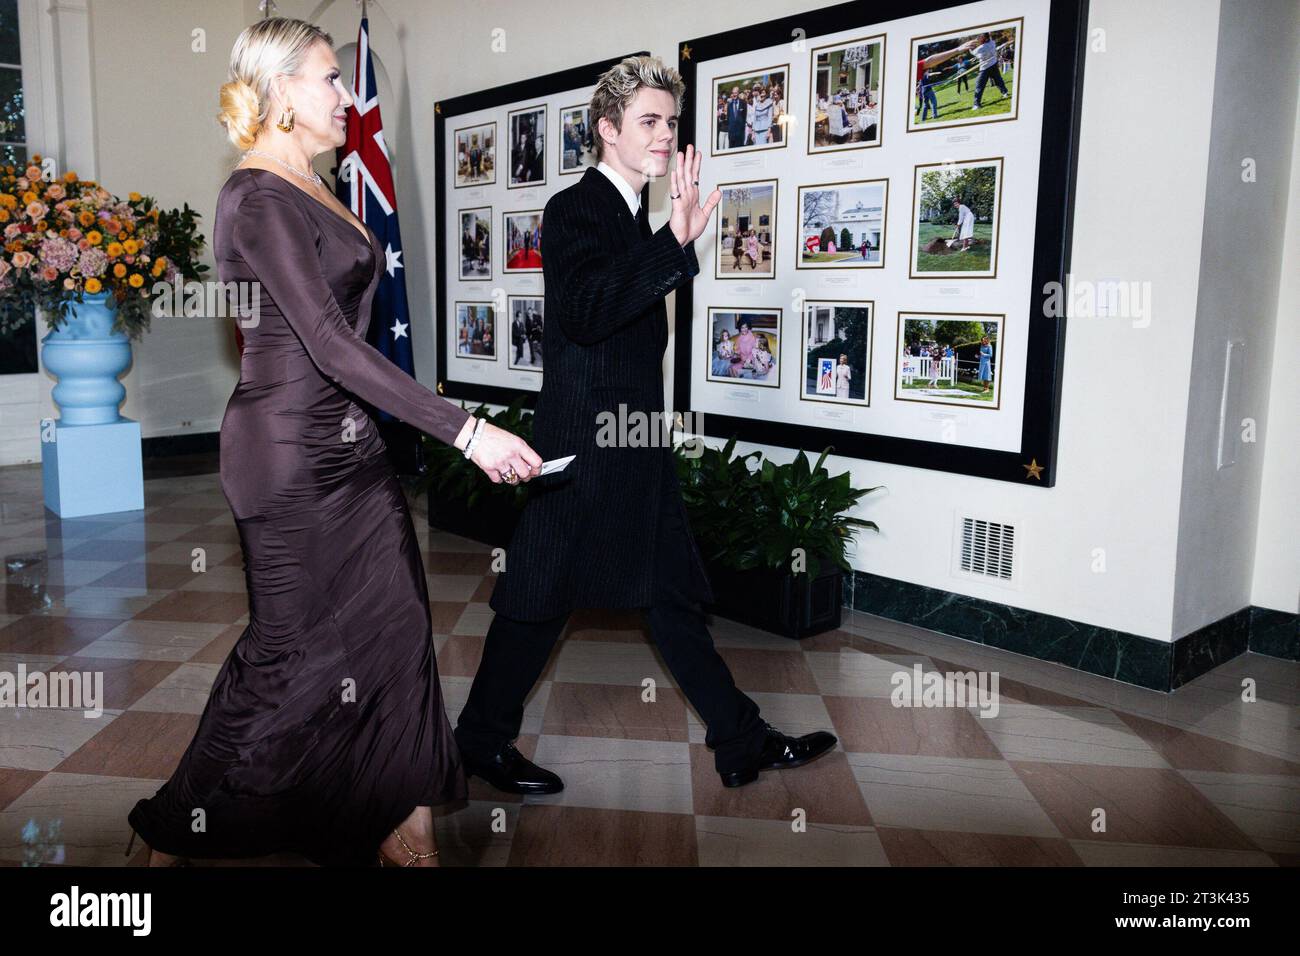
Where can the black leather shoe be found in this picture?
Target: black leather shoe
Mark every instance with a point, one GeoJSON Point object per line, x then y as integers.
{"type": "Point", "coordinates": [780, 752]}
{"type": "Point", "coordinates": [511, 771]}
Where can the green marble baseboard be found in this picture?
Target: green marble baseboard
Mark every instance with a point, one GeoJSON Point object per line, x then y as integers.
{"type": "Point", "coordinates": [1107, 652]}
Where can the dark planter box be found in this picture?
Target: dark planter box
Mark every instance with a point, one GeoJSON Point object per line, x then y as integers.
{"type": "Point", "coordinates": [490, 525]}
{"type": "Point", "coordinates": [776, 601]}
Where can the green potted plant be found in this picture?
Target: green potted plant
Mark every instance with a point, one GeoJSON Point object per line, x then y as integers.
{"type": "Point", "coordinates": [465, 501]}
{"type": "Point", "coordinates": [772, 539]}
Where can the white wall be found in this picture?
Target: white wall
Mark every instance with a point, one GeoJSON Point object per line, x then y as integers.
{"type": "Point", "coordinates": [1140, 212]}
{"type": "Point", "coordinates": [1276, 582]}
{"type": "Point", "coordinates": [1241, 263]}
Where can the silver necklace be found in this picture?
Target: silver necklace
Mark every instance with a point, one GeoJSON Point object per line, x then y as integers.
{"type": "Point", "coordinates": [314, 178]}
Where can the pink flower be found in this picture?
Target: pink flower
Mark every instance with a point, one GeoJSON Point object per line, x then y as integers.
{"type": "Point", "coordinates": [93, 262]}
{"type": "Point", "coordinates": [36, 210]}
{"type": "Point", "coordinates": [56, 191]}
{"type": "Point", "coordinates": [49, 273]}
{"type": "Point", "coordinates": [69, 283]}
{"type": "Point", "coordinates": [22, 259]}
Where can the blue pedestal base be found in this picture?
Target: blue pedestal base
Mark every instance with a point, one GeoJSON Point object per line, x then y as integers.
{"type": "Point", "coordinates": [93, 469]}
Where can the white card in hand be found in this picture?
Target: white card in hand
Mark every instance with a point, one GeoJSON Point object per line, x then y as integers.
{"type": "Point", "coordinates": [556, 464]}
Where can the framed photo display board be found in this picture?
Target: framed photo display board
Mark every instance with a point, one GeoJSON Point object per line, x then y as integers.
{"type": "Point", "coordinates": [501, 154]}
{"type": "Point", "coordinates": [897, 184]}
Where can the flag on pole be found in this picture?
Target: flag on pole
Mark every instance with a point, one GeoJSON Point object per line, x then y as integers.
{"type": "Point", "coordinates": [365, 185]}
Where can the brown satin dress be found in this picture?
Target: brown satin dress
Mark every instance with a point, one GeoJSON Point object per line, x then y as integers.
{"type": "Point", "coordinates": [325, 726]}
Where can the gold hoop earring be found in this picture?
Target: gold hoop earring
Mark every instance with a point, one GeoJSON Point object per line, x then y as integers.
{"type": "Point", "coordinates": [282, 125]}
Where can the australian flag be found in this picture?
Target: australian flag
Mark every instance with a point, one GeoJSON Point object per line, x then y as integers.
{"type": "Point", "coordinates": [364, 183]}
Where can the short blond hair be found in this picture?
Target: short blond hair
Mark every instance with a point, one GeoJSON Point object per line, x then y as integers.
{"type": "Point", "coordinates": [619, 84]}
{"type": "Point", "coordinates": [265, 48]}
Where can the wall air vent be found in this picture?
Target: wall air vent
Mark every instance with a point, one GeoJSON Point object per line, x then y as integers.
{"type": "Point", "coordinates": [985, 550]}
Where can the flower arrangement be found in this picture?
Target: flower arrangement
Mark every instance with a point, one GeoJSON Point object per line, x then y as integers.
{"type": "Point", "coordinates": [66, 237]}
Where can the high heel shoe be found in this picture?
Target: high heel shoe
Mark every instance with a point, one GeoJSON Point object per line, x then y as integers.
{"type": "Point", "coordinates": [179, 861]}
{"type": "Point", "coordinates": [414, 856]}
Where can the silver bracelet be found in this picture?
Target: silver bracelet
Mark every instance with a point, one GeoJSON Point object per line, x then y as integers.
{"type": "Point", "coordinates": [478, 430]}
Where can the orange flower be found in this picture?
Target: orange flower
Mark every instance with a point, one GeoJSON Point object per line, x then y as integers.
{"type": "Point", "coordinates": [94, 237]}
{"type": "Point", "coordinates": [119, 270]}
{"type": "Point", "coordinates": [69, 177]}
{"type": "Point", "coordinates": [93, 285]}
{"type": "Point", "coordinates": [132, 246]}
{"type": "Point", "coordinates": [133, 196]}
{"type": "Point", "coordinates": [136, 280]}
{"type": "Point", "coordinates": [114, 249]}
{"type": "Point", "coordinates": [86, 218]}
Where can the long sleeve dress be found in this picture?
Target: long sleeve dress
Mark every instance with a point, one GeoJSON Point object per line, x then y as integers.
{"type": "Point", "coordinates": [325, 725]}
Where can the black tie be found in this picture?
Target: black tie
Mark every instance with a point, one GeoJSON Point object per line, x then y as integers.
{"type": "Point", "coordinates": [643, 222]}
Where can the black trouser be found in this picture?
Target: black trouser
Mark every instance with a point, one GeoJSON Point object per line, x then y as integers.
{"type": "Point", "coordinates": [515, 653]}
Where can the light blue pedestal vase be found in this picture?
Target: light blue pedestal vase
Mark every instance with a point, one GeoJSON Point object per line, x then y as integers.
{"type": "Point", "coordinates": [90, 457]}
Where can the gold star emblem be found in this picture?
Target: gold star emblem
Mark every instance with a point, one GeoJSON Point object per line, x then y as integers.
{"type": "Point", "coordinates": [440, 388]}
{"type": "Point", "coordinates": [437, 108]}
{"type": "Point", "coordinates": [1033, 469]}
{"type": "Point", "coordinates": [686, 51]}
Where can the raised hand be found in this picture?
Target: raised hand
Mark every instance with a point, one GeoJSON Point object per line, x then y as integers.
{"type": "Point", "coordinates": [688, 218]}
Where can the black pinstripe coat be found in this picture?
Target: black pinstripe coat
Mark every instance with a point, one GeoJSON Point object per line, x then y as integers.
{"type": "Point", "coordinates": [587, 535]}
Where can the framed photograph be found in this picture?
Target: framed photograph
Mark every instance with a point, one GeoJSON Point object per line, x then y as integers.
{"type": "Point", "coordinates": [956, 215]}
{"type": "Point", "coordinates": [476, 163]}
{"type": "Point", "coordinates": [577, 140]}
{"type": "Point", "coordinates": [476, 244]}
{"type": "Point", "coordinates": [842, 225]}
{"type": "Point", "coordinates": [984, 63]}
{"type": "Point", "coordinates": [527, 147]}
{"type": "Point", "coordinates": [522, 235]}
{"type": "Point", "coordinates": [949, 358]}
{"type": "Point", "coordinates": [745, 247]}
{"type": "Point", "coordinates": [525, 315]}
{"type": "Point", "coordinates": [966, 76]}
{"type": "Point", "coordinates": [476, 326]}
{"type": "Point", "coordinates": [471, 262]}
{"type": "Point", "coordinates": [848, 101]}
{"type": "Point", "coordinates": [749, 111]}
{"type": "Point", "coordinates": [744, 345]}
{"type": "Point", "coordinates": [837, 337]}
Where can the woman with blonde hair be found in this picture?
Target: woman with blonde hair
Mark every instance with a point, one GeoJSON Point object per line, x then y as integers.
{"type": "Point", "coordinates": [324, 733]}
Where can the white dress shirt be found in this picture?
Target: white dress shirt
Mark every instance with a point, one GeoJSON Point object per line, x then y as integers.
{"type": "Point", "coordinates": [630, 196]}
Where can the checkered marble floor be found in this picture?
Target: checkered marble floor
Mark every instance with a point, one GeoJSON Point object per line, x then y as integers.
{"type": "Point", "coordinates": [1195, 778]}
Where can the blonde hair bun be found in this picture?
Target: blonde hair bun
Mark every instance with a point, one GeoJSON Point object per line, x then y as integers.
{"type": "Point", "coordinates": [240, 113]}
